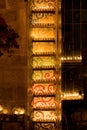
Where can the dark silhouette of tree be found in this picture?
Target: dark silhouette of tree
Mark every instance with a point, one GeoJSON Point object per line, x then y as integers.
{"type": "Point", "coordinates": [7, 38]}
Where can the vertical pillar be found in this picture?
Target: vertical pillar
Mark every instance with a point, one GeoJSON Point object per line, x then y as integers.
{"type": "Point", "coordinates": [44, 64]}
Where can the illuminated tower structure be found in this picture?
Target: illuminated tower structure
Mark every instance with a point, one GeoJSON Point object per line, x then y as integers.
{"type": "Point", "coordinates": [44, 64]}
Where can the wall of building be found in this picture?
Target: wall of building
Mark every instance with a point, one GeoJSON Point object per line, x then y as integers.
{"type": "Point", "coordinates": [13, 69]}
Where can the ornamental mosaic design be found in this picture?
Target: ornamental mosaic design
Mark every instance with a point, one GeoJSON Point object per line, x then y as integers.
{"type": "Point", "coordinates": [44, 75]}
{"type": "Point", "coordinates": [43, 89]}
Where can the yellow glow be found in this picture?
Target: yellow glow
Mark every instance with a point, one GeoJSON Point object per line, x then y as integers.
{"type": "Point", "coordinates": [5, 111]}
{"type": "Point", "coordinates": [19, 111]}
{"type": "Point", "coordinates": [72, 96]}
{"type": "Point", "coordinates": [44, 75]}
{"type": "Point", "coordinates": [48, 18]}
{"type": "Point", "coordinates": [1, 108]}
{"type": "Point", "coordinates": [46, 107]}
{"type": "Point", "coordinates": [44, 102]}
{"type": "Point", "coordinates": [44, 116]}
{"type": "Point", "coordinates": [69, 58]}
{"type": "Point", "coordinates": [43, 89]}
{"type": "Point", "coordinates": [43, 61]}
{"type": "Point", "coordinates": [41, 34]}
{"type": "Point", "coordinates": [43, 47]}
{"type": "Point", "coordinates": [16, 112]}
{"type": "Point", "coordinates": [43, 5]}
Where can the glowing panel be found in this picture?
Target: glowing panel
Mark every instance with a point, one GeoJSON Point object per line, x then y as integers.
{"type": "Point", "coordinates": [44, 116]}
{"type": "Point", "coordinates": [44, 75]}
{"type": "Point", "coordinates": [45, 126]}
{"type": "Point", "coordinates": [43, 18]}
{"type": "Point", "coordinates": [72, 96]}
{"type": "Point", "coordinates": [44, 102]}
{"type": "Point", "coordinates": [43, 47]}
{"type": "Point", "coordinates": [45, 33]}
{"type": "Point", "coordinates": [43, 89]}
{"type": "Point", "coordinates": [43, 4]}
{"type": "Point", "coordinates": [43, 61]}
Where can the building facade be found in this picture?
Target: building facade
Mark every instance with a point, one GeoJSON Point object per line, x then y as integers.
{"type": "Point", "coordinates": [43, 84]}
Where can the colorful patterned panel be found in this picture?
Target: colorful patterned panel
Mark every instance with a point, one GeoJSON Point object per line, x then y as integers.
{"type": "Point", "coordinates": [43, 89]}
{"type": "Point", "coordinates": [43, 18]}
{"type": "Point", "coordinates": [44, 102]}
{"type": "Point", "coordinates": [43, 33]}
{"type": "Point", "coordinates": [44, 116]}
{"type": "Point", "coordinates": [45, 126]}
{"type": "Point", "coordinates": [43, 61]}
{"type": "Point", "coordinates": [43, 4]}
{"type": "Point", "coordinates": [43, 47]}
{"type": "Point", "coordinates": [44, 75]}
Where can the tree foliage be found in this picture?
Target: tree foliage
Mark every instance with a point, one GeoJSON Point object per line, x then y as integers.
{"type": "Point", "coordinates": [7, 38]}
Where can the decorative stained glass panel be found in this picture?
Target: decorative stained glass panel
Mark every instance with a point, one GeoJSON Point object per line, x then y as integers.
{"type": "Point", "coordinates": [43, 33]}
{"type": "Point", "coordinates": [44, 102]}
{"type": "Point", "coordinates": [44, 75]}
{"type": "Point", "coordinates": [43, 18]}
{"type": "Point", "coordinates": [45, 126]}
{"type": "Point", "coordinates": [43, 47]}
{"type": "Point", "coordinates": [43, 4]}
{"type": "Point", "coordinates": [43, 61]}
{"type": "Point", "coordinates": [43, 116]}
{"type": "Point", "coordinates": [43, 89]}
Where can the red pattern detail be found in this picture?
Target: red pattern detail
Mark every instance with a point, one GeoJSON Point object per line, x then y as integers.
{"type": "Point", "coordinates": [38, 88]}
{"type": "Point", "coordinates": [51, 88]}
{"type": "Point", "coordinates": [49, 76]}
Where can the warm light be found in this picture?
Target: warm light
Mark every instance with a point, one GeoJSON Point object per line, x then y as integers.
{"type": "Point", "coordinates": [44, 102]}
{"type": "Point", "coordinates": [43, 89]}
{"type": "Point", "coordinates": [16, 112]}
{"type": "Point", "coordinates": [22, 111]}
{"type": "Point", "coordinates": [1, 108]}
{"type": "Point", "coordinates": [72, 96]}
{"type": "Point", "coordinates": [43, 5]}
{"type": "Point", "coordinates": [44, 116]}
{"type": "Point", "coordinates": [41, 34]}
{"type": "Point", "coordinates": [5, 111]}
{"type": "Point", "coordinates": [43, 61]}
{"type": "Point", "coordinates": [19, 111]}
{"type": "Point", "coordinates": [42, 47]}
{"type": "Point", "coordinates": [44, 20]}
{"type": "Point", "coordinates": [44, 75]}
{"type": "Point", "coordinates": [73, 58]}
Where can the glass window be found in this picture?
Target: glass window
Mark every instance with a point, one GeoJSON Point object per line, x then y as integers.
{"type": "Point", "coordinates": [84, 32]}
{"type": "Point", "coordinates": [76, 37]}
{"type": "Point", "coordinates": [63, 4]}
{"type": "Point", "coordinates": [68, 16]}
{"type": "Point", "coordinates": [68, 4]}
{"type": "Point", "coordinates": [68, 28]}
{"type": "Point", "coordinates": [84, 4]}
{"type": "Point", "coordinates": [77, 16]}
{"type": "Point", "coordinates": [84, 42]}
{"type": "Point", "coordinates": [84, 16]}
{"type": "Point", "coordinates": [76, 4]}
